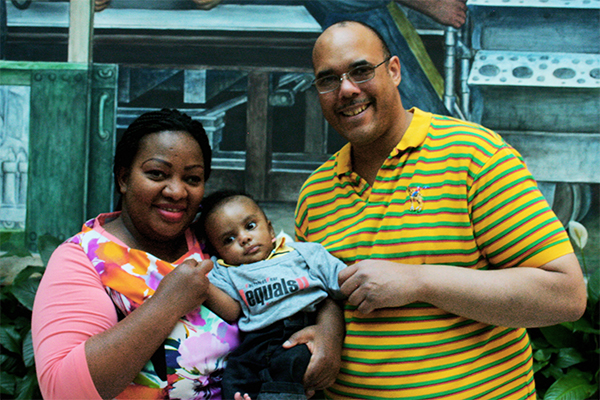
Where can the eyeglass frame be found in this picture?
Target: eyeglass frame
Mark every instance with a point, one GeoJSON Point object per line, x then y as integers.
{"type": "Point", "coordinates": [345, 74]}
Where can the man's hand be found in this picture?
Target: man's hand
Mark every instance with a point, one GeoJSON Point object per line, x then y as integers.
{"type": "Point", "coordinates": [323, 366]}
{"type": "Point", "coordinates": [324, 340]}
{"type": "Point", "coordinates": [375, 284]}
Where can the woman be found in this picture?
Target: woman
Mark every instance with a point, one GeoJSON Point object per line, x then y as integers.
{"type": "Point", "coordinates": [150, 337]}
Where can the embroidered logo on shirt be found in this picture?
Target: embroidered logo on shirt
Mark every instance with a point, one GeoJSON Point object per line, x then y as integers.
{"type": "Point", "coordinates": [416, 199]}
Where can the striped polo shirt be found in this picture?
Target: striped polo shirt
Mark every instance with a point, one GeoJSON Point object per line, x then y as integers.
{"type": "Point", "coordinates": [450, 193]}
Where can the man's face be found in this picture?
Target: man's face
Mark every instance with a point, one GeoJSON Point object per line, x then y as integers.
{"type": "Point", "coordinates": [361, 112]}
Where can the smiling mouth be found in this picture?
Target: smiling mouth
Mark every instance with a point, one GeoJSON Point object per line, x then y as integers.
{"type": "Point", "coordinates": [354, 111]}
{"type": "Point", "coordinates": [173, 210]}
{"type": "Point", "coordinates": [171, 214]}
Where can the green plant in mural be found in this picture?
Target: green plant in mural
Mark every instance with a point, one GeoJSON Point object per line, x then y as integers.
{"type": "Point", "coordinates": [566, 356]}
{"type": "Point", "coordinates": [17, 367]}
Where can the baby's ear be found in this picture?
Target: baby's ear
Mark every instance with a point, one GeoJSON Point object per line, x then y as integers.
{"type": "Point", "coordinates": [271, 230]}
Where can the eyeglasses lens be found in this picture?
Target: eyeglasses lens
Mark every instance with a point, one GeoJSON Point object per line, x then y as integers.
{"type": "Point", "coordinates": [357, 75]}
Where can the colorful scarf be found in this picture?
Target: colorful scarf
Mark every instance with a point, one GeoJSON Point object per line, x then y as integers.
{"type": "Point", "coordinates": [195, 351]}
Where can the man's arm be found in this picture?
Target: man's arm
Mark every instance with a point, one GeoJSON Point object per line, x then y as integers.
{"type": "Point", "coordinates": [513, 297]}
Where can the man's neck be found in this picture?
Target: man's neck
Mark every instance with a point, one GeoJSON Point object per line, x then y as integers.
{"type": "Point", "coordinates": [367, 160]}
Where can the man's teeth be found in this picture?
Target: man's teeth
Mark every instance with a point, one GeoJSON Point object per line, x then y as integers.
{"type": "Point", "coordinates": [356, 111]}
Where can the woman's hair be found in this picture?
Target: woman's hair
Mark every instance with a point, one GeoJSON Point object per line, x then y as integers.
{"type": "Point", "coordinates": [155, 122]}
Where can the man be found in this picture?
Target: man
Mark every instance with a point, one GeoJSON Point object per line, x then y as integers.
{"type": "Point", "coordinates": [421, 81]}
{"type": "Point", "coordinates": [473, 254]}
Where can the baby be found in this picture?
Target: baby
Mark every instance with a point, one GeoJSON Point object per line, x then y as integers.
{"type": "Point", "coordinates": [271, 286]}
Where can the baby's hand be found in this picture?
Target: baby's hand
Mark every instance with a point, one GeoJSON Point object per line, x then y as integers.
{"type": "Point", "coordinates": [238, 396]}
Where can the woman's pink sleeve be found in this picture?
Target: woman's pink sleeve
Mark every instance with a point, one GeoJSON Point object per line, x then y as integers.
{"type": "Point", "coordinates": [70, 306]}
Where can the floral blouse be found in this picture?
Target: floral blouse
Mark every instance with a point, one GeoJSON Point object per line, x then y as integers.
{"type": "Point", "coordinates": [195, 352]}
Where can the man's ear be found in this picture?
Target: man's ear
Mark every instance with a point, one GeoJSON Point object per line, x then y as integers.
{"type": "Point", "coordinates": [122, 178]}
{"type": "Point", "coordinates": [394, 69]}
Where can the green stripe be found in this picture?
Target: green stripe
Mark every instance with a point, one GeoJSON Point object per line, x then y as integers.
{"type": "Point", "coordinates": [445, 122]}
{"type": "Point", "coordinates": [515, 211]}
{"type": "Point", "coordinates": [381, 320]}
{"type": "Point", "coordinates": [433, 355]}
{"type": "Point", "coordinates": [451, 379]}
{"type": "Point", "coordinates": [500, 194]}
{"type": "Point", "coordinates": [411, 345]}
{"type": "Point", "coordinates": [517, 388]}
{"type": "Point", "coordinates": [495, 224]}
{"type": "Point", "coordinates": [435, 147]}
{"type": "Point", "coordinates": [545, 247]}
{"type": "Point", "coordinates": [441, 172]}
{"type": "Point", "coordinates": [426, 225]}
{"type": "Point", "coordinates": [518, 239]}
{"type": "Point", "coordinates": [493, 181]}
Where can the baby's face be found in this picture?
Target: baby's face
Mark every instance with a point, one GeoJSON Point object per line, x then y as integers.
{"type": "Point", "coordinates": [240, 232]}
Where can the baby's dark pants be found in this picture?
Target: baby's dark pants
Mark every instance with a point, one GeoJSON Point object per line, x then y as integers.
{"type": "Point", "coordinates": [261, 367]}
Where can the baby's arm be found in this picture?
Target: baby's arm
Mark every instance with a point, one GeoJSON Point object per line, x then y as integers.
{"type": "Point", "coordinates": [222, 304]}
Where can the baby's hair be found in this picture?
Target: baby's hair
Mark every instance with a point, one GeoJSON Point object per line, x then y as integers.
{"type": "Point", "coordinates": [208, 206]}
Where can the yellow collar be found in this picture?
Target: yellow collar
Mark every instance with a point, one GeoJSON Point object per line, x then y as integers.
{"type": "Point", "coordinates": [419, 127]}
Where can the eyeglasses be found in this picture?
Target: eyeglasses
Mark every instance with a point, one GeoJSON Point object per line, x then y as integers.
{"type": "Point", "coordinates": [360, 74]}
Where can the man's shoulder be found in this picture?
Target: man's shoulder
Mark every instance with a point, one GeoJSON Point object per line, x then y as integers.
{"type": "Point", "coordinates": [323, 175]}
{"type": "Point", "coordinates": [448, 132]}
{"type": "Point", "coordinates": [443, 125]}
{"type": "Point", "coordinates": [328, 167]}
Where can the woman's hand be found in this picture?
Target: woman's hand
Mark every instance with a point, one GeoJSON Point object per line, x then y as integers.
{"type": "Point", "coordinates": [324, 340]}
{"type": "Point", "coordinates": [117, 355]}
{"type": "Point", "coordinates": [185, 288]}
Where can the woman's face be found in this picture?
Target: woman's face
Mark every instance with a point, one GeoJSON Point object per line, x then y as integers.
{"type": "Point", "coordinates": [164, 186]}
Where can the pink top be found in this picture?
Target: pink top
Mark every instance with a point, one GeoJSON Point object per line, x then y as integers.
{"type": "Point", "coordinates": [71, 305]}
